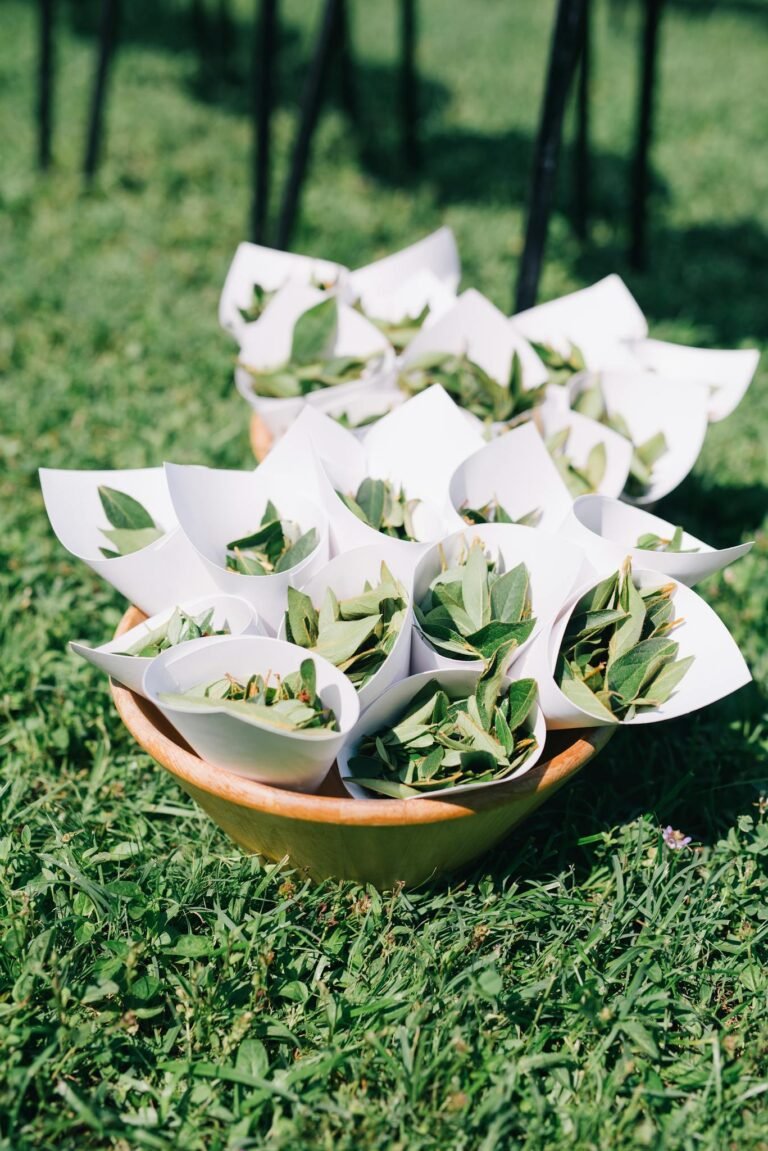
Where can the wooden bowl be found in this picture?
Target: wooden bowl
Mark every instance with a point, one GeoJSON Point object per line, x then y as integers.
{"type": "Point", "coordinates": [260, 437]}
{"type": "Point", "coordinates": [379, 841]}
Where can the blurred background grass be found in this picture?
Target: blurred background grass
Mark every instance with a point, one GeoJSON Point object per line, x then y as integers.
{"type": "Point", "coordinates": [581, 985]}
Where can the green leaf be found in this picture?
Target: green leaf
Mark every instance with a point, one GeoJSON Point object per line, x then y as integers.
{"type": "Point", "coordinates": [579, 694]}
{"type": "Point", "coordinates": [128, 540]}
{"type": "Point", "coordinates": [371, 499]}
{"type": "Point", "coordinates": [597, 461]}
{"type": "Point", "coordinates": [474, 586]}
{"type": "Point", "coordinates": [510, 595]}
{"type": "Point", "coordinates": [629, 674]}
{"type": "Point", "coordinates": [123, 511]}
{"type": "Point", "coordinates": [301, 619]}
{"type": "Point", "coordinates": [297, 552]}
{"type": "Point", "coordinates": [314, 332]}
{"type": "Point", "coordinates": [521, 698]}
{"type": "Point", "coordinates": [340, 640]}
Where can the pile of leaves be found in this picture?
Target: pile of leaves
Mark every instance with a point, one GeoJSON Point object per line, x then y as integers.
{"type": "Point", "coordinates": [616, 657]}
{"type": "Point", "coordinates": [473, 612]}
{"type": "Point", "coordinates": [562, 366]}
{"type": "Point", "coordinates": [289, 702]}
{"type": "Point", "coordinates": [398, 332]}
{"type": "Point", "coordinates": [275, 546]}
{"type": "Point", "coordinates": [580, 481]}
{"type": "Point", "coordinates": [311, 365]}
{"type": "Point", "coordinates": [591, 402]}
{"type": "Point", "coordinates": [132, 527]}
{"type": "Point", "coordinates": [471, 386]}
{"type": "Point", "coordinates": [179, 628]}
{"type": "Point", "coordinates": [651, 542]}
{"type": "Point", "coordinates": [439, 743]}
{"type": "Point", "coordinates": [384, 508]}
{"type": "Point", "coordinates": [494, 513]}
{"type": "Point", "coordinates": [355, 634]}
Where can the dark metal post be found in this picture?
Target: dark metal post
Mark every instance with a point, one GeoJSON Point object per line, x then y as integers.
{"type": "Point", "coordinates": [640, 173]}
{"type": "Point", "coordinates": [581, 151]}
{"type": "Point", "coordinates": [346, 63]}
{"type": "Point", "coordinates": [107, 37]}
{"type": "Point", "coordinates": [263, 57]}
{"type": "Point", "coordinates": [310, 110]}
{"type": "Point", "coordinates": [409, 110]}
{"type": "Point", "coordinates": [45, 84]}
{"type": "Point", "coordinates": [562, 61]}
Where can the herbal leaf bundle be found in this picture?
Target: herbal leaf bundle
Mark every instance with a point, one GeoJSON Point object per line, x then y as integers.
{"type": "Point", "coordinates": [616, 657]}
{"type": "Point", "coordinates": [260, 297]}
{"type": "Point", "coordinates": [439, 743]}
{"type": "Point", "coordinates": [378, 504]}
{"type": "Point", "coordinates": [178, 629]}
{"type": "Point", "coordinates": [132, 526]}
{"type": "Point", "coordinates": [580, 481]}
{"type": "Point", "coordinates": [355, 634]}
{"type": "Point", "coordinates": [290, 702]}
{"type": "Point", "coordinates": [473, 612]}
{"type": "Point", "coordinates": [591, 402]}
{"type": "Point", "coordinates": [561, 366]}
{"type": "Point", "coordinates": [494, 513]}
{"type": "Point", "coordinates": [470, 385]}
{"type": "Point", "coordinates": [311, 365]}
{"type": "Point", "coordinates": [398, 332]}
{"type": "Point", "coordinates": [275, 546]}
{"type": "Point", "coordinates": [655, 543]}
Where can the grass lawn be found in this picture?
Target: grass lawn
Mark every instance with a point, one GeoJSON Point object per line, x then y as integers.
{"type": "Point", "coordinates": [584, 986]}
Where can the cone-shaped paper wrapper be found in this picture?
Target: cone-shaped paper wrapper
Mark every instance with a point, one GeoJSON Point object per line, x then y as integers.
{"type": "Point", "coordinates": [608, 530]}
{"type": "Point", "coordinates": [153, 578]}
{"type": "Point", "coordinates": [426, 439]}
{"type": "Point", "coordinates": [272, 270]}
{"type": "Point", "coordinates": [215, 507]}
{"type": "Point", "coordinates": [597, 320]}
{"type": "Point", "coordinates": [516, 469]}
{"type": "Point", "coordinates": [409, 299]}
{"type": "Point", "coordinates": [584, 435]}
{"type": "Point", "coordinates": [717, 670]}
{"type": "Point", "coordinates": [554, 567]}
{"type": "Point", "coordinates": [475, 327]}
{"type": "Point", "coordinates": [267, 344]}
{"type": "Point", "coordinates": [296, 760]}
{"type": "Point", "coordinates": [436, 253]}
{"type": "Point", "coordinates": [389, 707]}
{"type": "Point", "coordinates": [343, 465]}
{"type": "Point", "coordinates": [111, 658]}
{"type": "Point", "coordinates": [346, 576]}
{"type": "Point", "coordinates": [649, 404]}
{"type": "Point", "coordinates": [724, 374]}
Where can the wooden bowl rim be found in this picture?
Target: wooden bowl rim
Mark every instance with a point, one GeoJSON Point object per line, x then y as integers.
{"type": "Point", "coordinates": [138, 715]}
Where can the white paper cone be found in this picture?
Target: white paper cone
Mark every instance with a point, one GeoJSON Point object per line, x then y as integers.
{"type": "Point", "coordinates": [346, 576]}
{"type": "Point", "coordinates": [436, 253]}
{"type": "Point", "coordinates": [651, 404]}
{"type": "Point", "coordinates": [608, 530]}
{"type": "Point", "coordinates": [343, 465]}
{"type": "Point", "coordinates": [724, 374]}
{"type": "Point", "coordinates": [554, 567]}
{"type": "Point", "coordinates": [292, 760]}
{"type": "Point", "coordinates": [154, 577]}
{"type": "Point", "coordinates": [366, 405]}
{"type": "Point", "coordinates": [718, 668]}
{"type": "Point", "coordinates": [597, 320]}
{"type": "Point", "coordinates": [584, 434]}
{"type": "Point", "coordinates": [408, 299]}
{"type": "Point", "coordinates": [216, 506]}
{"type": "Point", "coordinates": [517, 470]}
{"type": "Point", "coordinates": [267, 344]}
{"type": "Point", "coordinates": [228, 611]}
{"type": "Point", "coordinates": [389, 707]}
{"type": "Point", "coordinates": [476, 327]}
{"type": "Point", "coordinates": [425, 440]}
{"type": "Point", "coordinates": [272, 269]}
